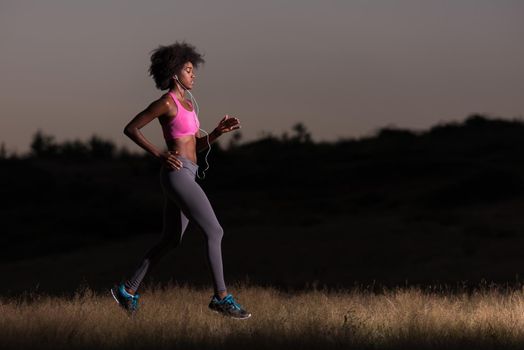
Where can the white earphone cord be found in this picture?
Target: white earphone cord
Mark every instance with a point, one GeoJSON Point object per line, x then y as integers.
{"type": "Point", "coordinates": [196, 110]}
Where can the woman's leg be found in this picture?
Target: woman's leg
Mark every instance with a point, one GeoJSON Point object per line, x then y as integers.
{"type": "Point", "coordinates": [181, 187]}
{"type": "Point", "coordinates": [174, 226]}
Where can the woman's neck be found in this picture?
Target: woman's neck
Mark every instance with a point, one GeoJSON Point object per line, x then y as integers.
{"type": "Point", "coordinates": [180, 94]}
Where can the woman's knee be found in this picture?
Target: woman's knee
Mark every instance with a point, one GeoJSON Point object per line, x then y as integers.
{"type": "Point", "coordinates": [216, 233]}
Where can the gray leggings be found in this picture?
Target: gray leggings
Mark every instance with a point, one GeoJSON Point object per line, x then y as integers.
{"type": "Point", "coordinates": [184, 201]}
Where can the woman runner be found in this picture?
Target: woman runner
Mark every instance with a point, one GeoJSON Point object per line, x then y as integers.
{"type": "Point", "coordinates": [173, 69]}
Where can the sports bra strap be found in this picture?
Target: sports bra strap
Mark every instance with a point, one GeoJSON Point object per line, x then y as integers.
{"type": "Point", "coordinates": [178, 103]}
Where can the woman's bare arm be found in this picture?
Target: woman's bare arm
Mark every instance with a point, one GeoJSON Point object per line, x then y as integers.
{"type": "Point", "coordinates": [226, 124]}
{"type": "Point", "coordinates": [132, 129]}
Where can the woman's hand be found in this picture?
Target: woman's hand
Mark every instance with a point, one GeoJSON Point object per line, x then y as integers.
{"type": "Point", "coordinates": [170, 160]}
{"type": "Point", "coordinates": [227, 124]}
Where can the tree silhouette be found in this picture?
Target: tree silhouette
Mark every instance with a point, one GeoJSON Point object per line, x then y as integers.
{"type": "Point", "coordinates": [3, 152]}
{"type": "Point", "coordinates": [235, 139]}
{"type": "Point", "coordinates": [301, 133]}
{"type": "Point", "coordinates": [101, 149]}
{"type": "Point", "coordinates": [43, 145]}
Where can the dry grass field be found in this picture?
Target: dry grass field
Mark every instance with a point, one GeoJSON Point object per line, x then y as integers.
{"type": "Point", "coordinates": [176, 317]}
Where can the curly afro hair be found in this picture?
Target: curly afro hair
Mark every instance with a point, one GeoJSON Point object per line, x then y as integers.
{"type": "Point", "coordinates": [167, 61]}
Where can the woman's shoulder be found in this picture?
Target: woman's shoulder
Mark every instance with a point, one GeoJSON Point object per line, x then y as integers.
{"type": "Point", "coordinates": [167, 99]}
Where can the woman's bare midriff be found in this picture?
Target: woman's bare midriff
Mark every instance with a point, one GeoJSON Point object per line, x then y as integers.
{"type": "Point", "coordinates": [185, 145]}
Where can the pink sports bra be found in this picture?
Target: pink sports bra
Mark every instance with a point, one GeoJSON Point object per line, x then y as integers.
{"type": "Point", "coordinates": [184, 123]}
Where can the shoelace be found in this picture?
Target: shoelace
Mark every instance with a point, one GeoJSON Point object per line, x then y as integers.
{"type": "Point", "coordinates": [134, 298]}
{"type": "Point", "coordinates": [231, 301]}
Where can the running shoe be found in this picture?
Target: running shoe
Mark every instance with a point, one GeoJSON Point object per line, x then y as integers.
{"type": "Point", "coordinates": [228, 307]}
{"type": "Point", "coordinates": [128, 302]}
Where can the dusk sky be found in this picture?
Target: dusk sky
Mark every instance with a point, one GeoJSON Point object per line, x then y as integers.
{"type": "Point", "coordinates": [343, 68]}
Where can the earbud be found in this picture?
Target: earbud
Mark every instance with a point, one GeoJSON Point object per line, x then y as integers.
{"type": "Point", "coordinates": [176, 78]}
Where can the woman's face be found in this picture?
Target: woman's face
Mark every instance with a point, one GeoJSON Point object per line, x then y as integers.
{"type": "Point", "coordinates": [187, 75]}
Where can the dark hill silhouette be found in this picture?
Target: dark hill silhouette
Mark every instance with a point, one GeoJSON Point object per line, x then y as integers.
{"type": "Point", "coordinates": [436, 205]}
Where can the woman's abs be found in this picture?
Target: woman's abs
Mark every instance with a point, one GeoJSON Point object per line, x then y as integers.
{"type": "Point", "coordinates": [185, 145]}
